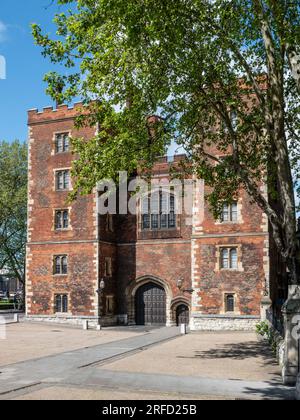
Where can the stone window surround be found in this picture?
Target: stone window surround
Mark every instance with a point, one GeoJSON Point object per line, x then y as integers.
{"type": "Point", "coordinates": [53, 265]}
{"type": "Point", "coordinates": [70, 228]}
{"type": "Point", "coordinates": [236, 304]}
{"type": "Point", "coordinates": [55, 171]}
{"type": "Point", "coordinates": [218, 256]}
{"type": "Point", "coordinates": [56, 133]}
{"type": "Point", "coordinates": [240, 220]}
{"type": "Point", "coordinates": [61, 292]}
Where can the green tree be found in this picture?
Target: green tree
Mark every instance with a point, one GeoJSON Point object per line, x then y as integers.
{"type": "Point", "coordinates": [13, 208]}
{"type": "Point", "coordinates": [223, 73]}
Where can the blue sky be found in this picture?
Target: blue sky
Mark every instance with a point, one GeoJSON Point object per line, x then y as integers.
{"type": "Point", "coordinates": [24, 87]}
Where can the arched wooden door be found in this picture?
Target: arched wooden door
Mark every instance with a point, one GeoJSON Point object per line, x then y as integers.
{"type": "Point", "coordinates": [150, 305]}
{"type": "Point", "coordinates": [182, 315]}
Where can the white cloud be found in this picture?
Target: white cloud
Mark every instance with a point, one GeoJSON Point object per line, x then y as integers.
{"type": "Point", "coordinates": [3, 29]}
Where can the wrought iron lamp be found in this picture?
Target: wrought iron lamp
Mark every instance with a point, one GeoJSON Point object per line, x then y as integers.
{"type": "Point", "coordinates": [180, 283]}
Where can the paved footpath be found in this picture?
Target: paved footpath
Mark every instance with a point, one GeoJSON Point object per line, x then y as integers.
{"type": "Point", "coordinates": [88, 369]}
{"type": "Point", "coordinates": [58, 367]}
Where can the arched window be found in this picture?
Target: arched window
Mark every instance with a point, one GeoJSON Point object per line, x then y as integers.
{"type": "Point", "coordinates": [229, 303]}
{"type": "Point", "coordinates": [159, 211]}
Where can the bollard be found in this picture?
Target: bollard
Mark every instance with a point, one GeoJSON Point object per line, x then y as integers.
{"type": "Point", "coordinates": [183, 329]}
{"type": "Point", "coordinates": [85, 325]}
{"type": "Point", "coordinates": [16, 318]}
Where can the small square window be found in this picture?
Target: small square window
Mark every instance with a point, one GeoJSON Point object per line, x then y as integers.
{"type": "Point", "coordinates": [229, 212]}
{"type": "Point", "coordinates": [229, 258]}
{"type": "Point", "coordinates": [230, 303]}
{"type": "Point", "coordinates": [61, 219]}
{"type": "Point", "coordinates": [62, 180]}
{"type": "Point", "coordinates": [62, 143]}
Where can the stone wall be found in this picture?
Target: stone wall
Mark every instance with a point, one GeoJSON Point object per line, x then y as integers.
{"type": "Point", "coordinates": [223, 323]}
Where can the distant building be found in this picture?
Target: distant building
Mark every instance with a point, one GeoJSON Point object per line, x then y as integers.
{"type": "Point", "coordinates": [8, 283]}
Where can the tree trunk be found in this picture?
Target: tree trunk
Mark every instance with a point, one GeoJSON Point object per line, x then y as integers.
{"type": "Point", "coordinates": [275, 122]}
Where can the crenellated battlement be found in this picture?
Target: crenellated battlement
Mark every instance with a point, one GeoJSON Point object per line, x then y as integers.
{"type": "Point", "coordinates": [49, 113]}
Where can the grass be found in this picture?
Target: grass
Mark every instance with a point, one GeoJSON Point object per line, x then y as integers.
{"type": "Point", "coordinates": [6, 304]}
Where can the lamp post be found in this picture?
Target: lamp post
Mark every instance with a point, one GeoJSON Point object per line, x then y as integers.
{"type": "Point", "coordinates": [100, 296]}
{"type": "Point", "coordinates": [180, 283]}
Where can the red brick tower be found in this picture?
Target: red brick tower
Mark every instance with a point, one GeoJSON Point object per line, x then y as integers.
{"type": "Point", "coordinates": [155, 270]}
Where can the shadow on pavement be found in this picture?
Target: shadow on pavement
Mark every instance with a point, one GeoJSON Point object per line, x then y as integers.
{"type": "Point", "coordinates": [238, 351]}
{"type": "Point", "coordinates": [272, 391]}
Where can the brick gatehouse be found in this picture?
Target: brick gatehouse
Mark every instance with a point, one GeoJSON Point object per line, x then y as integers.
{"type": "Point", "coordinates": [156, 270]}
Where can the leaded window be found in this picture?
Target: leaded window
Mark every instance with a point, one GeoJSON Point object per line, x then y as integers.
{"type": "Point", "coordinates": [61, 219]}
{"type": "Point", "coordinates": [61, 303]}
{"type": "Point", "coordinates": [63, 180]}
{"type": "Point", "coordinates": [62, 143]}
{"type": "Point", "coordinates": [229, 258]}
{"type": "Point", "coordinates": [159, 211]}
{"type": "Point", "coordinates": [230, 212]}
{"type": "Point", "coordinates": [60, 265]}
{"type": "Point", "coordinates": [229, 303]}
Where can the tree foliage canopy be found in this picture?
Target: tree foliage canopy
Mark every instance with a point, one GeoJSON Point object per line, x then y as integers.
{"type": "Point", "coordinates": [221, 75]}
{"type": "Point", "coordinates": [13, 207]}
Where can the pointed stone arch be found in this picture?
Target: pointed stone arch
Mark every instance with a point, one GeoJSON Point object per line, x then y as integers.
{"type": "Point", "coordinates": [134, 287]}
{"type": "Point", "coordinates": [176, 303]}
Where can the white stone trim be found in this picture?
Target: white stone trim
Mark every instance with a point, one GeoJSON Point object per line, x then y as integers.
{"type": "Point", "coordinates": [223, 323]}
{"type": "Point", "coordinates": [218, 267]}
{"type": "Point", "coordinates": [56, 133]}
{"type": "Point", "coordinates": [30, 204]}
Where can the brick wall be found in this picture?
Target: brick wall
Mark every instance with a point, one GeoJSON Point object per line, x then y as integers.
{"type": "Point", "coordinates": [79, 242]}
{"type": "Point", "coordinates": [190, 252]}
{"type": "Point", "coordinates": [249, 235]}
